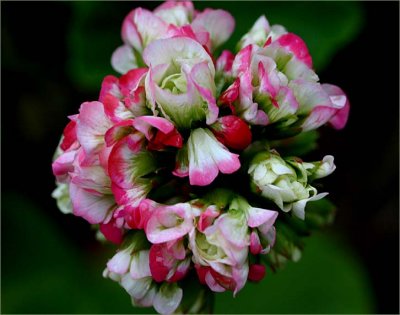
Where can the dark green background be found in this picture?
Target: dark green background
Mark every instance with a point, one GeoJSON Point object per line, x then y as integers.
{"type": "Point", "coordinates": [54, 56]}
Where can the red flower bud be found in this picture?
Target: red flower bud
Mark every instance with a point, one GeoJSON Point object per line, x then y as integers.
{"type": "Point", "coordinates": [232, 132]}
{"type": "Point", "coordinates": [256, 272]}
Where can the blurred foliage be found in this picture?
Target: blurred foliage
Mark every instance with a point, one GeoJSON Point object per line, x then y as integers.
{"type": "Point", "coordinates": [46, 273]}
{"type": "Point", "coordinates": [325, 26]}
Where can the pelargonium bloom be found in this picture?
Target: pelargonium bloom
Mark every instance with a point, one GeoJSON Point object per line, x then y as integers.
{"type": "Point", "coordinates": [130, 267]}
{"type": "Point", "coordinates": [210, 28]}
{"type": "Point", "coordinates": [274, 82]}
{"type": "Point", "coordinates": [204, 158]}
{"type": "Point", "coordinates": [180, 82]}
{"type": "Point", "coordinates": [157, 163]}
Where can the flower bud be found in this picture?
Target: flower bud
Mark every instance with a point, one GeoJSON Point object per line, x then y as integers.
{"type": "Point", "coordinates": [232, 132]}
{"type": "Point", "coordinates": [283, 182]}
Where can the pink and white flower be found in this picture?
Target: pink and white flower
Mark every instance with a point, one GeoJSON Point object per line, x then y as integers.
{"type": "Point", "coordinates": [141, 27]}
{"type": "Point", "coordinates": [180, 82]}
{"type": "Point", "coordinates": [207, 157]}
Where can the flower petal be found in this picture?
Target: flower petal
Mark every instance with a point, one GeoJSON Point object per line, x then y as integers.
{"type": "Point", "coordinates": [218, 23]}
{"type": "Point", "coordinates": [168, 298]}
{"type": "Point", "coordinates": [91, 127]}
{"type": "Point", "coordinates": [123, 59]}
{"type": "Point", "coordinates": [92, 207]}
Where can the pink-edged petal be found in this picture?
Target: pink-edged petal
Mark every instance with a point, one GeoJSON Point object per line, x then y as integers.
{"type": "Point", "coordinates": [175, 12]}
{"type": "Point", "coordinates": [225, 61]}
{"type": "Point", "coordinates": [231, 94]}
{"type": "Point", "coordinates": [341, 102]}
{"type": "Point", "coordinates": [149, 26]}
{"type": "Point", "coordinates": [207, 217]}
{"type": "Point", "coordinates": [246, 108]}
{"type": "Point", "coordinates": [92, 207]}
{"type": "Point", "coordinates": [109, 86]}
{"type": "Point", "coordinates": [115, 109]}
{"type": "Point", "coordinates": [201, 78]}
{"type": "Point", "coordinates": [158, 265]}
{"type": "Point", "coordinates": [169, 223]}
{"type": "Point", "coordinates": [258, 216]}
{"type": "Point", "coordinates": [309, 95]}
{"type": "Point", "coordinates": [131, 80]}
{"type": "Point", "coordinates": [218, 23]}
{"type": "Point", "coordinates": [239, 276]}
{"type": "Point", "coordinates": [129, 32]}
{"type": "Point", "coordinates": [242, 60]}
{"type": "Point", "coordinates": [175, 50]}
{"type": "Point", "coordinates": [112, 232]}
{"type": "Point", "coordinates": [266, 86]}
{"type": "Point", "coordinates": [119, 131]}
{"type": "Point", "coordinates": [64, 164]}
{"type": "Point", "coordinates": [319, 116]}
{"type": "Point", "coordinates": [255, 243]}
{"type": "Point", "coordinates": [144, 123]}
{"type": "Point", "coordinates": [207, 156]}
{"type": "Point", "coordinates": [181, 271]}
{"type": "Point", "coordinates": [212, 283]}
{"type": "Point", "coordinates": [123, 59]}
{"type": "Point", "coordinates": [128, 164]}
{"type": "Point", "coordinates": [297, 46]}
{"type": "Point", "coordinates": [91, 126]}
{"type": "Point", "coordinates": [69, 134]}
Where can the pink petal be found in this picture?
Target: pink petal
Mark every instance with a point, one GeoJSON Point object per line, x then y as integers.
{"type": "Point", "coordinates": [297, 46]}
{"type": "Point", "coordinates": [69, 135]}
{"type": "Point", "coordinates": [159, 268]}
{"type": "Point", "coordinates": [129, 32]}
{"type": "Point", "coordinates": [176, 47]}
{"type": "Point", "coordinates": [144, 123]}
{"type": "Point", "coordinates": [92, 207]}
{"type": "Point", "coordinates": [64, 164]}
{"type": "Point", "coordinates": [212, 283]}
{"type": "Point", "coordinates": [169, 223]}
{"type": "Point", "coordinates": [91, 126]}
{"type": "Point", "coordinates": [340, 100]}
{"type": "Point", "coordinates": [319, 116]}
{"type": "Point", "coordinates": [207, 217]}
{"type": "Point", "coordinates": [225, 61]}
{"type": "Point", "coordinates": [242, 60]}
{"type": "Point", "coordinates": [118, 131]}
{"type": "Point", "coordinates": [255, 243]}
{"type": "Point", "coordinates": [199, 70]}
{"type": "Point", "coordinates": [120, 162]}
{"type": "Point", "coordinates": [258, 216]}
{"type": "Point", "coordinates": [109, 86]}
{"type": "Point", "coordinates": [181, 271]}
{"type": "Point", "coordinates": [218, 23]}
{"type": "Point", "coordinates": [112, 232]}
{"type": "Point", "coordinates": [131, 80]}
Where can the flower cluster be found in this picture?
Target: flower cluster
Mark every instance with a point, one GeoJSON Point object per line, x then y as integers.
{"type": "Point", "coordinates": [167, 162]}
